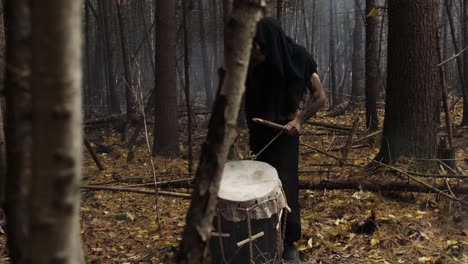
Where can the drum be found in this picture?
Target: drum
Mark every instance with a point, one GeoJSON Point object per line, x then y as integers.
{"type": "Point", "coordinates": [251, 204]}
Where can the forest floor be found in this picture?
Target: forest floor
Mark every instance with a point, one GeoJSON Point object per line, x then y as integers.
{"type": "Point", "coordinates": [122, 227]}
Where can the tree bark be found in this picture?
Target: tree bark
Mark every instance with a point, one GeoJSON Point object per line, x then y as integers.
{"type": "Point", "coordinates": [465, 63]}
{"type": "Point", "coordinates": [204, 54]}
{"type": "Point", "coordinates": [186, 27]}
{"type": "Point", "coordinates": [114, 104]}
{"type": "Point", "coordinates": [166, 133]}
{"type": "Point", "coordinates": [221, 133]}
{"type": "Point", "coordinates": [18, 131]}
{"type": "Point", "coordinates": [333, 97]}
{"type": "Point", "coordinates": [372, 66]}
{"type": "Point", "coordinates": [358, 82]}
{"type": "Point", "coordinates": [57, 138]}
{"type": "Point", "coordinates": [412, 92]}
{"type": "Point", "coordinates": [129, 85]}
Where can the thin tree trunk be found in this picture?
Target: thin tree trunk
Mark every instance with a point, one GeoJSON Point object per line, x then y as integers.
{"type": "Point", "coordinates": [166, 133]}
{"type": "Point", "coordinates": [204, 54]}
{"type": "Point", "coordinates": [221, 133]}
{"type": "Point", "coordinates": [18, 131]}
{"type": "Point", "coordinates": [114, 104]}
{"type": "Point", "coordinates": [456, 48]}
{"type": "Point", "coordinates": [465, 63]}
{"type": "Point", "coordinates": [57, 138]}
{"type": "Point", "coordinates": [358, 83]}
{"type": "Point", "coordinates": [2, 126]}
{"type": "Point", "coordinates": [372, 46]}
{"type": "Point", "coordinates": [412, 93]}
{"type": "Point", "coordinates": [129, 86]}
{"type": "Point", "coordinates": [332, 55]}
{"type": "Point", "coordinates": [186, 26]}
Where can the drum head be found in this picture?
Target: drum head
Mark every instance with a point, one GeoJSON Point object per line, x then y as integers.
{"type": "Point", "coordinates": [247, 180]}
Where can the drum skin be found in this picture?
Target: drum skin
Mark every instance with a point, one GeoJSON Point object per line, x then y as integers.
{"type": "Point", "coordinates": [249, 190]}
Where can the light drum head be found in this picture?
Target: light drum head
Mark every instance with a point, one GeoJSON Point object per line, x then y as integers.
{"type": "Point", "coordinates": [247, 180]}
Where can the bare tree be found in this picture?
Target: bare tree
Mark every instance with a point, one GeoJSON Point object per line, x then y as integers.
{"type": "Point", "coordinates": [221, 133]}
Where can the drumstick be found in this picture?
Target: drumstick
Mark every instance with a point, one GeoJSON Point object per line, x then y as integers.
{"type": "Point", "coordinates": [270, 124]}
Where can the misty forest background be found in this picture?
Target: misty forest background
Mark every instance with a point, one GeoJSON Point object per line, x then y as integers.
{"type": "Point", "coordinates": [115, 119]}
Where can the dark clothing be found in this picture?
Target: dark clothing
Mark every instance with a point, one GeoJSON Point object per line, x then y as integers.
{"type": "Point", "coordinates": [283, 155]}
{"type": "Point", "coordinates": [278, 84]}
{"type": "Point", "coordinates": [275, 88]}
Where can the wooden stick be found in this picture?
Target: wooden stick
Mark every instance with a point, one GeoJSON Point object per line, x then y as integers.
{"type": "Point", "coordinates": [327, 154]}
{"type": "Point", "coordinates": [349, 141]}
{"type": "Point", "coordinates": [270, 124]}
{"type": "Point", "coordinates": [93, 154]}
{"type": "Point", "coordinates": [368, 136]}
{"type": "Point", "coordinates": [377, 186]}
{"type": "Point", "coordinates": [131, 190]}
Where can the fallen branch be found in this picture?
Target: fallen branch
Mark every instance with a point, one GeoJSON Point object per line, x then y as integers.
{"type": "Point", "coordinates": [331, 126]}
{"type": "Point", "coordinates": [105, 120]}
{"type": "Point", "coordinates": [327, 154]}
{"type": "Point", "coordinates": [93, 154]}
{"type": "Point", "coordinates": [132, 190]}
{"type": "Point", "coordinates": [367, 137]}
{"type": "Point", "coordinates": [427, 186]}
{"type": "Point", "coordinates": [374, 186]}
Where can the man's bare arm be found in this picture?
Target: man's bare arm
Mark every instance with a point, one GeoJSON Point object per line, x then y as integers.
{"type": "Point", "coordinates": [316, 100]}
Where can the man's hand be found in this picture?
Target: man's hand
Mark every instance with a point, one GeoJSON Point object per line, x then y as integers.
{"type": "Point", "coordinates": [294, 127]}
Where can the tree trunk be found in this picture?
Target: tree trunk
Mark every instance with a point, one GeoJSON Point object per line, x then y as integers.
{"type": "Point", "coordinates": [114, 104]}
{"type": "Point", "coordinates": [412, 92]}
{"type": "Point", "coordinates": [57, 138]}
{"type": "Point", "coordinates": [221, 133]}
{"type": "Point", "coordinates": [186, 27]}
{"type": "Point", "coordinates": [166, 133]}
{"type": "Point", "coordinates": [333, 102]}
{"type": "Point", "coordinates": [372, 66]}
{"type": "Point", "coordinates": [18, 131]}
{"type": "Point", "coordinates": [358, 85]}
{"type": "Point", "coordinates": [465, 62]}
{"type": "Point", "coordinates": [204, 54]}
{"type": "Point", "coordinates": [129, 86]}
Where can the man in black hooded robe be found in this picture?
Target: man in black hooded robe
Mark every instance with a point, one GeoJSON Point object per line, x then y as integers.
{"type": "Point", "coordinates": [280, 73]}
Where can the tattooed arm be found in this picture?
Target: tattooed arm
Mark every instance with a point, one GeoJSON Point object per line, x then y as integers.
{"type": "Point", "coordinates": [311, 107]}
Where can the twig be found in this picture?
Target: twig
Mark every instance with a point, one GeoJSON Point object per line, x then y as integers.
{"type": "Point", "coordinates": [132, 190]}
{"type": "Point", "coordinates": [93, 154]}
{"type": "Point", "coordinates": [368, 136]}
{"type": "Point", "coordinates": [162, 183]}
{"type": "Point", "coordinates": [349, 141]}
{"type": "Point", "coordinates": [327, 154]}
{"type": "Point", "coordinates": [453, 57]}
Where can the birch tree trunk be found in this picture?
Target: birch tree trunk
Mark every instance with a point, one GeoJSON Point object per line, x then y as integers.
{"type": "Point", "coordinates": [18, 131]}
{"type": "Point", "coordinates": [222, 131]}
{"type": "Point", "coordinates": [57, 138]}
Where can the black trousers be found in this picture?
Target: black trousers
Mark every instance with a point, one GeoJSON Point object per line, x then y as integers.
{"type": "Point", "coordinates": [283, 155]}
